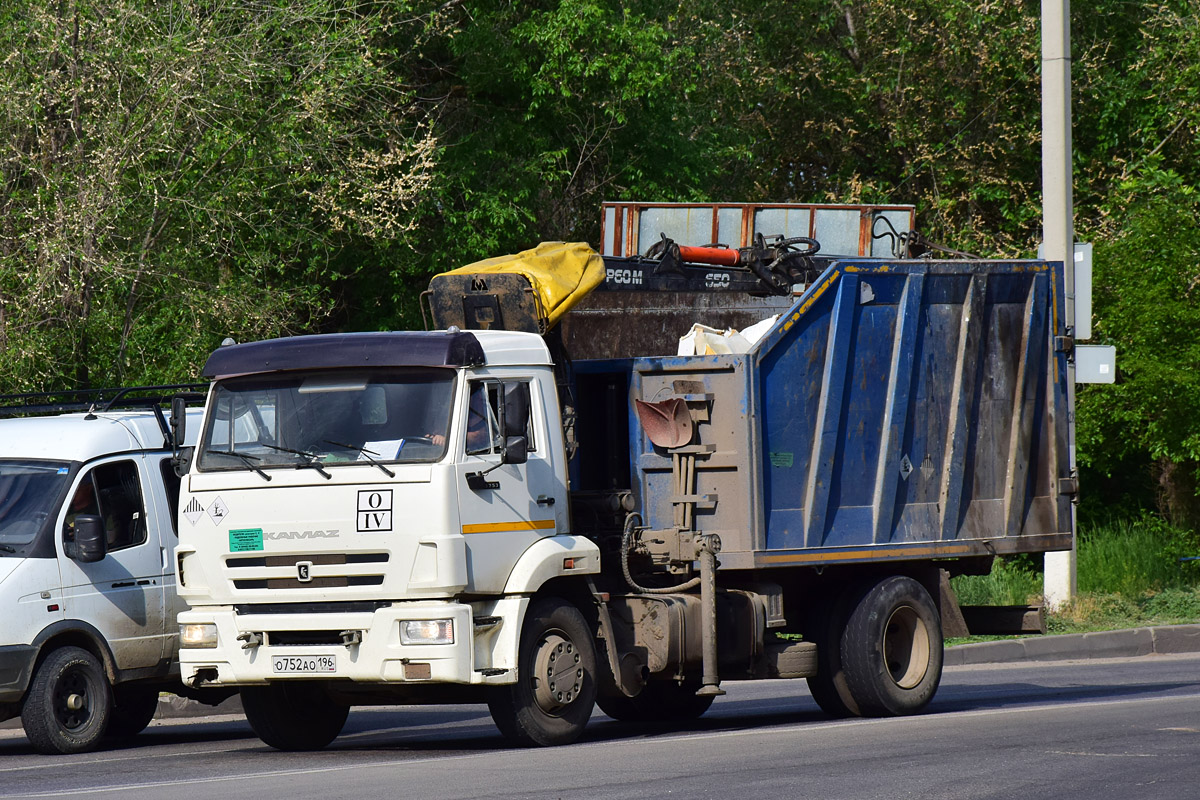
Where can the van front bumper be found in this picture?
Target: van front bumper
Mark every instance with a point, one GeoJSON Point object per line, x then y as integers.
{"type": "Point", "coordinates": [16, 669]}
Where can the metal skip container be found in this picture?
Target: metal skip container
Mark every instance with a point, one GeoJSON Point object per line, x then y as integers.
{"type": "Point", "coordinates": [898, 410]}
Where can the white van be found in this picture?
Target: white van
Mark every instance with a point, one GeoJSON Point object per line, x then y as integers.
{"type": "Point", "coordinates": [88, 639]}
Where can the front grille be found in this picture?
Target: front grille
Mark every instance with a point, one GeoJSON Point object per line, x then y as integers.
{"type": "Point", "coordinates": [282, 572]}
{"type": "Point", "coordinates": [335, 607]}
{"type": "Point", "coordinates": [304, 637]}
{"type": "Point", "coordinates": [330, 582]}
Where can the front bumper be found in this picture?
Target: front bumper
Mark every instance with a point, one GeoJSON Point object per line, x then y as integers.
{"type": "Point", "coordinates": [378, 656]}
{"type": "Point", "coordinates": [16, 669]}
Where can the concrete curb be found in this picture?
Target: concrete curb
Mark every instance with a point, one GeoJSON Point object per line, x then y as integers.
{"type": "Point", "coordinates": [1159, 640]}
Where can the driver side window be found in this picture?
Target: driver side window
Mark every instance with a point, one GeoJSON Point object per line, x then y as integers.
{"type": "Point", "coordinates": [483, 413]}
{"type": "Point", "coordinates": [113, 493]}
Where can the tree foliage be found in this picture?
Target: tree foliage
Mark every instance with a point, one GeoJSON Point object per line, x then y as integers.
{"type": "Point", "coordinates": [176, 172]}
{"type": "Point", "coordinates": [179, 171]}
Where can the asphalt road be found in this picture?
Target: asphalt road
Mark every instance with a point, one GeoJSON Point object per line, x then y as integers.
{"type": "Point", "coordinates": [1113, 728]}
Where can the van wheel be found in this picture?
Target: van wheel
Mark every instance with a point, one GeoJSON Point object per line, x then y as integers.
{"type": "Point", "coordinates": [67, 707]}
{"type": "Point", "coordinates": [293, 716]}
{"type": "Point", "coordinates": [892, 649]}
{"type": "Point", "coordinates": [556, 678]}
{"type": "Point", "coordinates": [133, 708]}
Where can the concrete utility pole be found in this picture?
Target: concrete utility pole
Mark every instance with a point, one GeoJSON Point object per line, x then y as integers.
{"type": "Point", "coordinates": [1058, 228]}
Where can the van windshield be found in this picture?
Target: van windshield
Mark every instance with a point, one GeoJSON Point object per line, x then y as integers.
{"type": "Point", "coordinates": [328, 418]}
{"type": "Point", "coordinates": [30, 492]}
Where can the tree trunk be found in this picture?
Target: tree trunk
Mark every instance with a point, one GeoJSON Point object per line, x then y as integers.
{"type": "Point", "coordinates": [1176, 484]}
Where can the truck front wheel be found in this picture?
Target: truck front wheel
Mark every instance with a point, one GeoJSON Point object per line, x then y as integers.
{"type": "Point", "coordinates": [891, 649]}
{"type": "Point", "coordinates": [293, 716]}
{"type": "Point", "coordinates": [133, 708]}
{"type": "Point", "coordinates": [67, 707]}
{"type": "Point", "coordinates": [556, 678]}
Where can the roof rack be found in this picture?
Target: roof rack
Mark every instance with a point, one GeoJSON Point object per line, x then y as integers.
{"type": "Point", "coordinates": [30, 403]}
{"type": "Point", "coordinates": [131, 397]}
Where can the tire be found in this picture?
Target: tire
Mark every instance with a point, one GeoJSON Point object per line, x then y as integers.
{"type": "Point", "coordinates": [68, 705]}
{"type": "Point", "coordinates": [133, 708]}
{"type": "Point", "coordinates": [892, 649]}
{"type": "Point", "coordinates": [826, 625]}
{"type": "Point", "coordinates": [659, 701]}
{"type": "Point", "coordinates": [555, 691]}
{"type": "Point", "coordinates": [293, 716]}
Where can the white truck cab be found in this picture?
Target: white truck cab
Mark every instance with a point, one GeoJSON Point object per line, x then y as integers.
{"type": "Point", "coordinates": [87, 528]}
{"type": "Point", "coordinates": [367, 518]}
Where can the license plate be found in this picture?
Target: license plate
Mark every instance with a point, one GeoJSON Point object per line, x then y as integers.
{"type": "Point", "coordinates": [304, 664]}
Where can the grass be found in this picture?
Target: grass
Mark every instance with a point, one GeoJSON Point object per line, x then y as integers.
{"type": "Point", "coordinates": [1130, 574]}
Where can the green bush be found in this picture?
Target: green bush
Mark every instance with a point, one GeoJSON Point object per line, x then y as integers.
{"type": "Point", "coordinates": [1131, 572]}
{"type": "Point", "coordinates": [1011, 582]}
{"type": "Point", "coordinates": [1136, 557]}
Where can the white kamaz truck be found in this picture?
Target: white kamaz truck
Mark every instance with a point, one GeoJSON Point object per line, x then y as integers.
{"type": "Point", "coordinates": [466, 515]}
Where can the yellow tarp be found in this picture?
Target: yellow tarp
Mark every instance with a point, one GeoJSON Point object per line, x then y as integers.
{"type": "Point", "coordinates": [562, 273]}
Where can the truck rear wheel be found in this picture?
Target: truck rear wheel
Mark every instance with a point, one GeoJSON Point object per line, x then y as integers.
{"type": "Point", "coordinates": [67, 707]}
{"type": "Point", "coordinates": [659, 701]}
{"type": "Point", "coordinates": [825, 628]}
{"type": "Point", "coordinates": [133, 708]}
{"type": "Point", "coordinates": [892, 649]}
{"type": "Point", "coordinates": [293, 716]}
{"type": "Point", "coordinates": [556, 678]}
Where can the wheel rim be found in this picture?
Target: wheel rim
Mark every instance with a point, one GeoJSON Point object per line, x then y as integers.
{"type": "Point", "coordinates": [72, 700]}
{"type": "Point", "coordinates": [557, 672]}
{"type": "Point", "coordinates": [906, 647]}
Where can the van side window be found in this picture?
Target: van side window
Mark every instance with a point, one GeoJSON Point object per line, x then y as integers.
{"type": "Point", "coordinates": [113, 492]}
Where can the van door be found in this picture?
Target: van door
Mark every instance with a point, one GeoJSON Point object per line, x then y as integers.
{"type": "Point", "coordinates": [512, 506]}
{"type": "Point", "coordinates": [166, 503]}
{"type": "Point", "coordinates": [121, 595]}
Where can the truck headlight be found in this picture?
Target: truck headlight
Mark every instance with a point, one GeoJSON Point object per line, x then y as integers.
{"type": "Point", "coordinates": [427, 631]}
{"type": "Point", "coordinates": [198, 635]}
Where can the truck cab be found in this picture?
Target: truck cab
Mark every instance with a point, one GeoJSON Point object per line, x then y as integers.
{"type": "Point", "coordinates": [87, 527]}
{"type": "Point", "coordinates": [370, 515]}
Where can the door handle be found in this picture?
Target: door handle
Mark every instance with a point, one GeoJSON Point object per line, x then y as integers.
{"type": "Point", "coordinates": [543, 500]}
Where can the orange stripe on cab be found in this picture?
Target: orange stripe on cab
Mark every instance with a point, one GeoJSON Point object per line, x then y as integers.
{"type": "Point", "coordinates": [515, 525]}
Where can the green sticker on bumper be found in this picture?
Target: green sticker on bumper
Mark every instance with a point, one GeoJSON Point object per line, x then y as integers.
{"type": "Point", "coordinates": [781, 459]}
{"type": "Point", "coordinates": [245, 539]}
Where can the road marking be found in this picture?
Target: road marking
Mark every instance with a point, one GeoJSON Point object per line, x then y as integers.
{"type": "Point", "coordinates": [58, 762]}
{"type": "Point", "coordinates": [241, 777]}
{"type": "Point", "coordinates": [792, 729]}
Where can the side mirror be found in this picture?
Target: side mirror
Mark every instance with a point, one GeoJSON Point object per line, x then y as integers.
{"type": "Point", "coordinates": [181, 461]}
{"type": "Point", "coordinates": [178, 423]}
{"type": "Point", "coordinates": [91, 541]}
{"type": "Point", "coordinates": [516, 450]}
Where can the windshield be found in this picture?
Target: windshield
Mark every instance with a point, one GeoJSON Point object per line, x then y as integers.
{"type": "Point", "coordinates": [328, 418]}
{"type": "Point", "coordinates": [30, 493]}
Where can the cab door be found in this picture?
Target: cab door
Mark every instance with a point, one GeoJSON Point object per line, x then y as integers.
{"type": "Point", "coordinates": [122, 594]}
{"type": "Point", "coordinates": [503, 508]}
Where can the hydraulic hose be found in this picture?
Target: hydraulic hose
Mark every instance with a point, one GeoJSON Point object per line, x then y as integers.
{"type": "Point", "coordinates": [626, 540]}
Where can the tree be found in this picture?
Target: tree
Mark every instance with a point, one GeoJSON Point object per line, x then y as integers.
{"type": "Point", "coordinates": [177, 172]}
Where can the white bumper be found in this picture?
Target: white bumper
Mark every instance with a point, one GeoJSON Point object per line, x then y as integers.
{"type": "Point", "coordinates": [483, 651]}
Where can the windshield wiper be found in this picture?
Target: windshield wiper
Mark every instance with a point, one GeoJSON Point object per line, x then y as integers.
{"type": "Point", "coordinates": [247, 459]}
{"type": "Point", "coordinates": [5, 548]}
{"type": "Point", "coordinates": [311, 459]}
{"type": "Point", "coordinates": [365, 453]}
